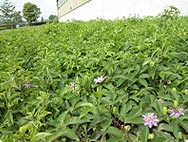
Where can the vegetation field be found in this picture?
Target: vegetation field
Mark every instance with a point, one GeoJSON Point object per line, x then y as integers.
{"type": "Point", "coordinates": [116, 81]}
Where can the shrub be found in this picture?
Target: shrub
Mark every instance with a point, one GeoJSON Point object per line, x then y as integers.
{"type": "Point", "coordinates": [101, 80]}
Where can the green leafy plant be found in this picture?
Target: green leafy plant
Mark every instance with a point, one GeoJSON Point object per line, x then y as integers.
{"type": "Point", "coordinates": [95, 81]}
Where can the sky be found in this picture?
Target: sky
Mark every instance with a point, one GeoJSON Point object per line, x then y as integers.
{"type": "Point", "coordinates": [47, 7]}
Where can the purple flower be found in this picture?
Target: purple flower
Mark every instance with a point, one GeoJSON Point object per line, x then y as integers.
{"type": "Point", "coordinates": [99, 79]}
{"type": "Point", "coordinates": [150, 119]}
{"type": "Point", "coordinates": [175, 112]}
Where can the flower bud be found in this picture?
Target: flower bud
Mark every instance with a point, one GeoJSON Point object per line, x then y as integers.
{"type": "Point", "coordinates": [23, 129]}
{"type": "Point", "coordinates": [169, 82]}
{"type": "Point", "coordinates": [165, 110]}
{"type": "Point", "coordinates": [175, 104]}
{"type": "Point", "coordinates": [114, 110]}
{"type": "Point", "coordinates": [127, 128]}
{"type": "Point", "coordinates": [180, 135]}
{"type": "Point", "coordinates": [174, 90]}
{"type": "Point", "coordinates": [186, 91]}
{"type": "Point", "coordinates": [151, 136]}
{"type": "Point", "coordinates": [177, 67]}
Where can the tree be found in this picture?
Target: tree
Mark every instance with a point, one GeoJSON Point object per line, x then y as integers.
{"type": "Point", "coordinates": [52, 17]}
{"type": "Point", "coordinates": [7, 13]}
{"type": "Point", "coordinates": [17, 18]}
{"type": "Point", "coordinates": [31, 12]}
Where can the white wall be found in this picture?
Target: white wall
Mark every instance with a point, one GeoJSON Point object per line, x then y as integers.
{"type": "Point", "coordinates": [112, 9]}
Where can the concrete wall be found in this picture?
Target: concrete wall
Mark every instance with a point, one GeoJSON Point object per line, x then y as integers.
{"type": "Point", "coordinates": [113, 9]}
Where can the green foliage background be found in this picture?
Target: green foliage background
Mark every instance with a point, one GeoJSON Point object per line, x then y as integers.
{"type": "Point", "coordinates": [144, 60]}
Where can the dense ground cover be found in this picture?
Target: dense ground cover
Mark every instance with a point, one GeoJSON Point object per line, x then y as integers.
{"type": "Point", "coordinates": [50, 90]}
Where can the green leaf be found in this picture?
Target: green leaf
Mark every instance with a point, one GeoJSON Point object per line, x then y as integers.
{"type": "Point", "coordinates": [143, 82]}
{"type": "Point", "coordinates": [152, 73]}
{"type": "Point", "coordinates": [157, 106]}
{"type": "Point", "coordinates": [42, 135]}
{"type": "Point", "coordinates": [115, 131]}
{"type": "Point", "coordinates": [184, 125]}
{"type": "Point", "coordinates": [71, 134]}
{"type": "Point", "coordinates": [165, 127]}
{"type": "Point", "coordinates": [135, 113]}
{"type": "Point", "coordinates": [63, 132]}
{"type": "Point", "coordinates": [185, 99]}
{"type": "Point", "coordinates": [106, 123]}
{"type": "Point", "coordinates": [167, 97]}
{"type": "Point", "coordinates": [175, 126]}
{"type": "Point", "coordinates": [162, 136]}
{"type": "Point", "coordinates": [136, 120]}
{"type": "Point", "coordinates": [144, 76]}
{"type": "Point", "coordinates": [75, 120]}
{"type": "Point", "coordinates": [64, 91]}
{"type": "Point", "coordinates": [87, 104]}
{"type": "Point", "coordinates": [114, 139]}
{"type": "Point", "coordinates": [62, 117]}
{"type": "Point", "coordinates": [144, 134]}
{"type": "Point", "coordinates": [160, 139]}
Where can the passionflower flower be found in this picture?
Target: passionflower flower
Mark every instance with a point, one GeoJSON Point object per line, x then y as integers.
{"type": "Point", "coordinates": [150, 119]}
{"type": "Point", "coordinates": [99, 79]}
{"type": "Point", "coordinates": [175, 112]}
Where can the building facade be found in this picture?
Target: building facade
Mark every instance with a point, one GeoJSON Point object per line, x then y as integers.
{"type": "Point", "coordinates": [113, 9]}
{"type": "Point", "coordinates": [67, 6]}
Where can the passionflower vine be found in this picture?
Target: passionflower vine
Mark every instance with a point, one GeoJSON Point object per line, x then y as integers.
{"type": "Point", "coordinates": [99, 79]}
{"type": "Point", "coordinates": [150, 119]}
{"type": "Point", "coordinates": [176, 112]}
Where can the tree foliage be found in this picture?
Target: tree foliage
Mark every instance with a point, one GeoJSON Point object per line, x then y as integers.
{"type": "Point", "coordinates": [17, 18]}
{"type": "Point", "coordinates": [31, 12]}
{"type": "Point", "coordinates": [52, 17]}
{"type": "Point", "coordinates": [7, 13]}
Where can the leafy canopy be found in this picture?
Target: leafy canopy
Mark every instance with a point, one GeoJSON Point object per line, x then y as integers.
{"type": "Point", "coordinates": [7, 12]}
{"type": "Point", "coordinates": [17, 18]}
{"type": "Point", "coordinates": [52, 17]}
{"type": "Point", "coordinates": [31, 12]}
